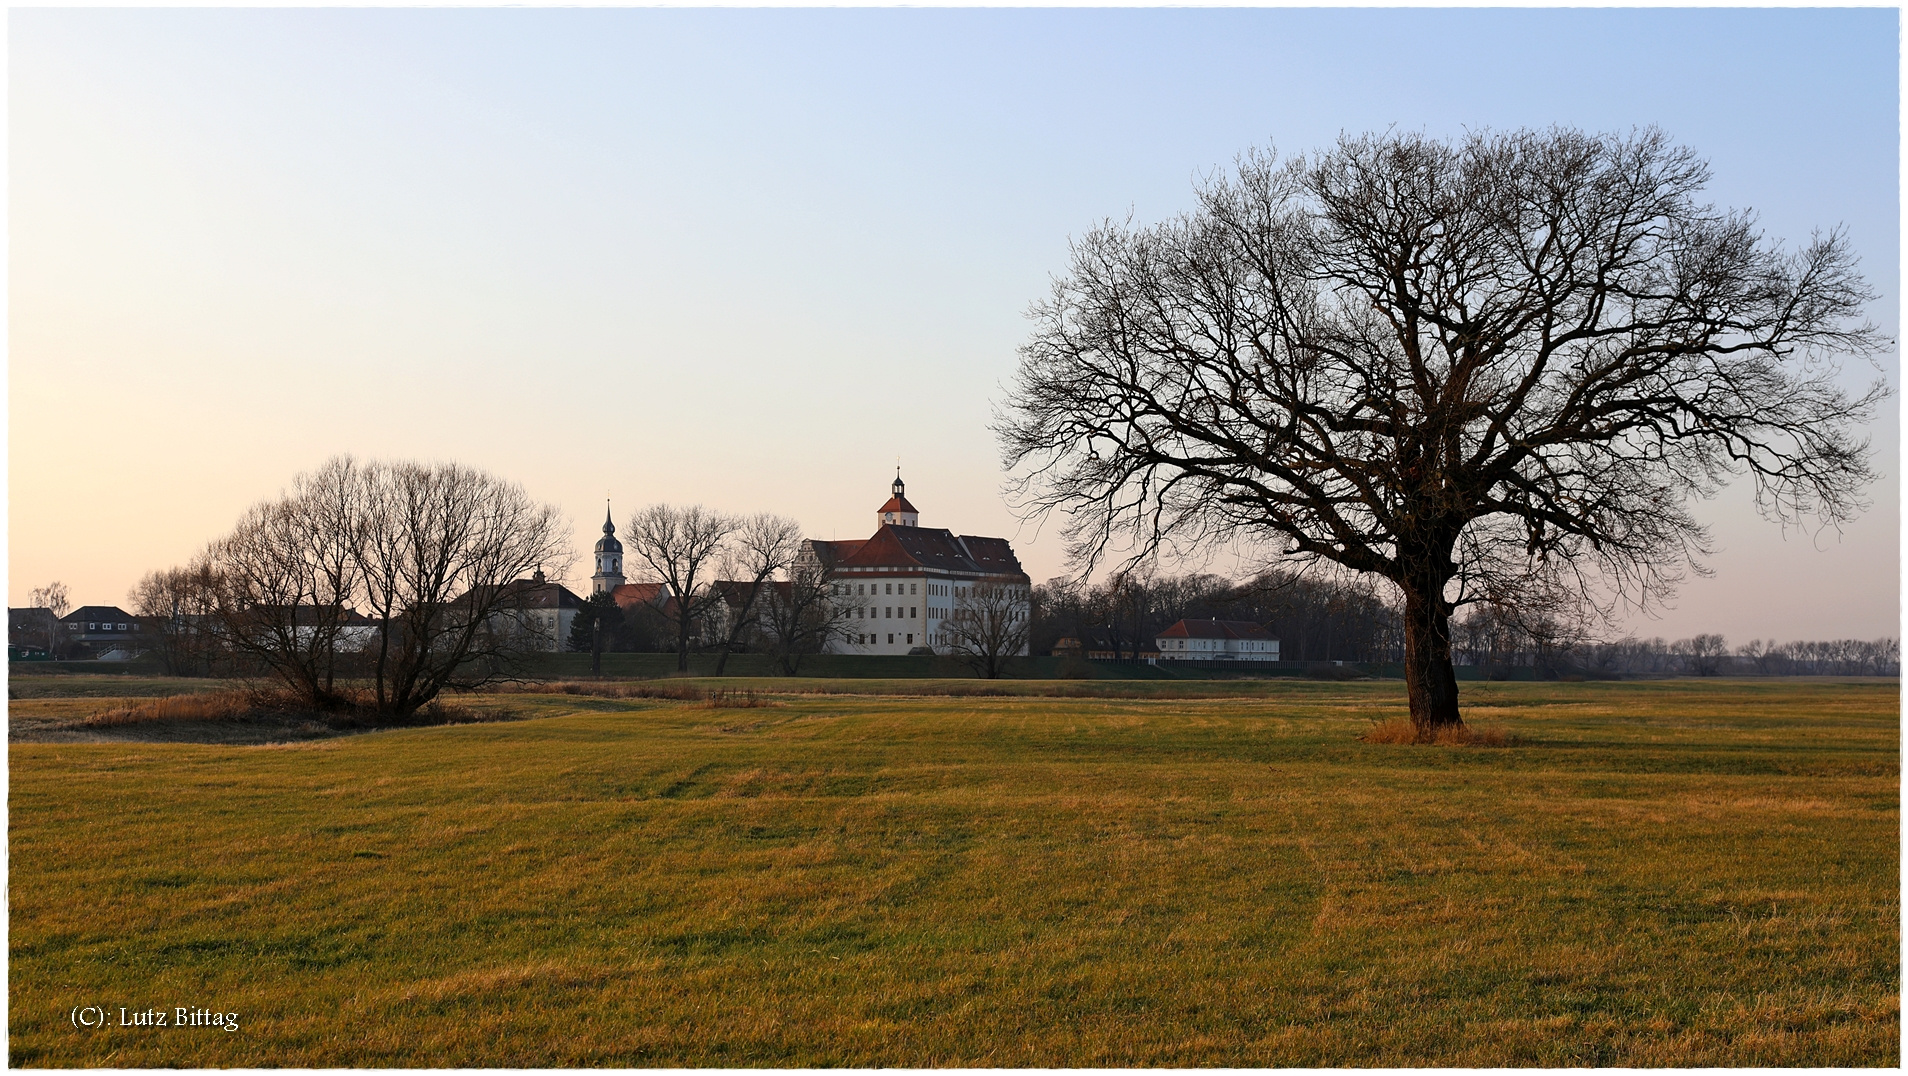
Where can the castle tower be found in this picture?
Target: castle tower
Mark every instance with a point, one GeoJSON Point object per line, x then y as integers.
{"type": "Point", "coordinates": [609, 558]}
{"type": "Point", "coordinates": [898, 512]}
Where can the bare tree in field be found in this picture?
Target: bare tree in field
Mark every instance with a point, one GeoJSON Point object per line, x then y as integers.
{"type": "Point", "coordinates": [800, 615]}
{"type": "Point", "coordinates": [760, 548]}
{"type": "Point", "coordinates": [987, 625]}
{"type": "Point", "coordinates": [178, 604]}
{"type": "Point", "coordinates": [1472, 368]}
{"type": "Point", "coordinates": [52, 598]}
{"type": "Point", "coordinates": [682, 547]}
{"type": "Point", "coordinates": [397, 572]}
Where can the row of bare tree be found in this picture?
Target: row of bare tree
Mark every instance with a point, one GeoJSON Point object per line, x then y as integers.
{"type": "Point", "coordinates": [1498, 641]}
{"type": "Point", "coordinates": [1325, 619]}
{"type": "Point", "coordinates": [1315, 618]}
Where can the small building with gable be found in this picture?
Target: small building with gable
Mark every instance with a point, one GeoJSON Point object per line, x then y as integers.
{"type": "Point", "coordinates": [1217, 640]}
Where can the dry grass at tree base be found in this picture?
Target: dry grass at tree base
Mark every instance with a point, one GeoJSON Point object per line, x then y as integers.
{"type": "Point", "coordinates": [1401, 730]}
{"type": "Point", "coordinates": [1679, 873]}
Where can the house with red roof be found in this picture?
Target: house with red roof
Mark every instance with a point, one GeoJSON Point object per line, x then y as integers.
{"type": "Point", "coordinates": [1217, 640]}
{"type": "Point", "coordinates": [898, 586]}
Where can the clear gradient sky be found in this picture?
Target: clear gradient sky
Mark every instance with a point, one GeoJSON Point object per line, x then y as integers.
{"type": "Point", "coordinates": [749, 258]}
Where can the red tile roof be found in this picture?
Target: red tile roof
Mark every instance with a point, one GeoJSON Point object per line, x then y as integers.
{"type": "Point", "coordinates": [897, 504]}
{"type": "Point", "coordinates": [639, 594]}
{"type": "Point", "coordinates": [1215, 629]}
{"type": "Point", "coordinates": [931, 547]}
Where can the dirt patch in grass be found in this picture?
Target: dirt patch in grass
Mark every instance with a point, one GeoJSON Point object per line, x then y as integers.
{"type": "Point", "coordinates": [1400, 730]}
{"type": "Point", "coordinates": [230, 717]}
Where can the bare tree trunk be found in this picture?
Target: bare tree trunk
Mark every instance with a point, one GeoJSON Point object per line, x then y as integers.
{"type": "Point", "coordinates": [1430, 681]}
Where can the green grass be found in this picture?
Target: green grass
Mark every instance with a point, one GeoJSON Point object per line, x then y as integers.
{"type": "Point", "coordinates": [75, 686]}
{"type": "Point", "coordinates": [1671, 873]}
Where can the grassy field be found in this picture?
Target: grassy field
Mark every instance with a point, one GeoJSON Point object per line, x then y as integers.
{"type": "Point", "coordinates": [1671, 873]}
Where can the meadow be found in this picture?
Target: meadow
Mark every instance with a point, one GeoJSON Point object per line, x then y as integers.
{"type": "Point", "coordinates": [1688, 873]}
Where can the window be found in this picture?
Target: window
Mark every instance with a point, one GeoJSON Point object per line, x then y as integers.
{"type": "Point", "coordinates": [913, 589]}
{"type": "Point", "coordinates": [91, 626]}
{"type": "Point", "coordinates": [888, 588]}
{"type": "Point", "coordinates": [887, 611]}
{"type": "Point", "coordinates": [911, 612]}
{"type": "Point", "coordinates": [891, 637]}
{"type": "Point", "coordinates": [857, 588]}
{"type": "Point", "coordinates": [910, 640]}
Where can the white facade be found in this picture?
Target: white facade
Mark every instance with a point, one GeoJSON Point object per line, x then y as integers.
{"type": "Point", "coordinates": [897, 589]}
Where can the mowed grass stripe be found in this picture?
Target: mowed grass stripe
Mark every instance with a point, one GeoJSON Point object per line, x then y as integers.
{"type": "Point", "coordinates": [1677, 873]}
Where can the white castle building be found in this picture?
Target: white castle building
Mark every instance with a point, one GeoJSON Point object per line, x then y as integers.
{"type": "Point", "coordinates": [899, 586]}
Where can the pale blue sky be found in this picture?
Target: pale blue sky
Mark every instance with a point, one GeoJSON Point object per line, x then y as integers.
{"type": "Point", "coordinates": [750, 257]}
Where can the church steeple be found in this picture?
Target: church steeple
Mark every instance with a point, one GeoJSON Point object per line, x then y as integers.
{"type": "Point", "coordinates": [609, 557]}
{"type": "Point", "coordinates": [898, 512]}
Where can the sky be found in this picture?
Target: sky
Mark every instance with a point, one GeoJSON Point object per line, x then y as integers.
{"type": "Point", "coordinates": [752, 258]}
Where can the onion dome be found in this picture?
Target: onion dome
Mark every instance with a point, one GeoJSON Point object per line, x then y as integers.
{"type": "Point", "coordinates": [608, 543]}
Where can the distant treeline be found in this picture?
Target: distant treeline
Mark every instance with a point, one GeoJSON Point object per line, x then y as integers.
{"type": "Point", "coordinates": [1314, 619]}
{"type": "Point", "coordinates": [1327, 619]}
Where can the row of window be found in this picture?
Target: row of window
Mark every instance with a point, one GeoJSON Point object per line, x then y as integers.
{"type": "Point", "coordinates": [888, 612]}
{"type": "Point", "coordinates": [887, 588]}
{"type": "Point", "coordinates": [935, 590]}
{"type": "Point", "coordinates": [871, 640]}
{"type": "Point", "coordinates": [102, 627]}
{"type": "Point", "coordinates": [1210, 644]}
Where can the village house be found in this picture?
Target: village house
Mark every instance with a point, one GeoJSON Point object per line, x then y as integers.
{"type": "Point", "coordinates": [542, 610]}
{"type": "Point", "coordinates": [105, 631]}
{"type": "Point", "coordinates": [1217, 640]}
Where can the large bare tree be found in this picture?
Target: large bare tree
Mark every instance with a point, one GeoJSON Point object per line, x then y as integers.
{"type": "Point", "coordinates": [400, 573]}
{"type": "Point", "coordinates": [1480, 369]}
{"type": "Point", "coordinates": [682, 548]}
